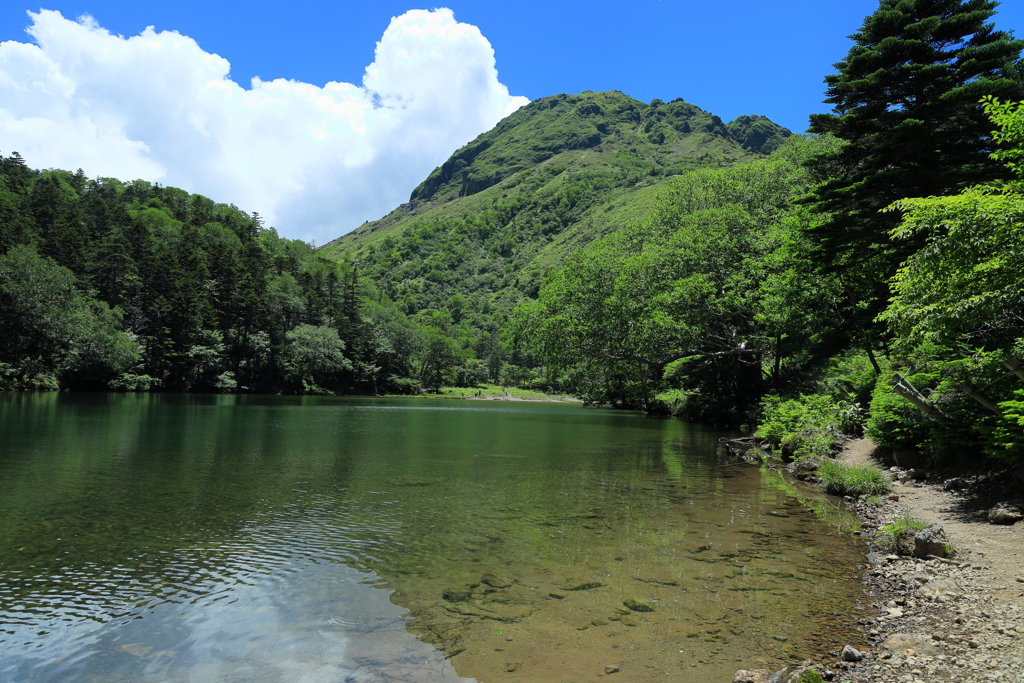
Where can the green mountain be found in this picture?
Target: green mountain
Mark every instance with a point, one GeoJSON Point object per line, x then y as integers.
{"type": "Point", "coordinates": [481, 230]}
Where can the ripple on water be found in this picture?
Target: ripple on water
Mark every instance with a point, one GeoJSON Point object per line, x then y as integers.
{"type": "Point", "coordinates": [311, 549]}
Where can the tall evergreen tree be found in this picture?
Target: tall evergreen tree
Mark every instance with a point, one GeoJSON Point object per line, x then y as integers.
{"type": "Point", "coordinates": [906, 100]}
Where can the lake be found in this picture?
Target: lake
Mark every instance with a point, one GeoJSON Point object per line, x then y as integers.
{"type": "Point", "coordinates": [202, 538]}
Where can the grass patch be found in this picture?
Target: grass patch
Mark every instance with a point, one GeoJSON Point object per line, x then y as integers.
{"type": "Point", "coordinates": [898, 536]}
{"type": "Point", "coordinates": [852, 480]}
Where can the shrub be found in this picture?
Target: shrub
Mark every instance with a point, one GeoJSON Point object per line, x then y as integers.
{"type": "Point", "coordinates": [806, 427]}
{"type": "Point", "coordinates": [1007, 438]}
{"type": "Point", "coordinates": [850, 377]}
{"type": "Point", "coordinates": [131, 382]}
{"type": "Point", "coordinates": [898, 536]}
{"type": "Point", "coordinates": [894, 421]}
{"type": "Point", "coordinates": [852, 480]}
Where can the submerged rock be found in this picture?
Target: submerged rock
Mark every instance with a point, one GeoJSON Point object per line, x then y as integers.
{"type": "Point", "coordinates": [495, 581]}
{"type": "Point", "coordinates": [638, 606]}
{"type": "Point", "coordinates": [578, 584]}
{"type": "Point", "coordinates": [457, 594]}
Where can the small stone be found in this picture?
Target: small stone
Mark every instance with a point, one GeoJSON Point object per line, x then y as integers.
{"type": "Point", "coordinates": [598, 622]}
{"type": "Point", "coordinates": [852, 654]}
{"type": "Point", "coordinates": [1020, 579]}
{"type": "Point", "coordinates": [556, 596]}
{"type": "Point", "coordinates": [456, 594]}
{"type": "Point", "coordinates": [611, 669]}
{"type": "Point", "coordinates": [512, 667]}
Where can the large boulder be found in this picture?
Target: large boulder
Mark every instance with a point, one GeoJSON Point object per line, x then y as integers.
{"type": "Point", "coordinates": [930, 541]}
{"type": "Point", "coordinates": [1007, 512]}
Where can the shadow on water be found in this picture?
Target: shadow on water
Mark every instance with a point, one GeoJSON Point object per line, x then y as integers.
{"type": "Point", "coordinates": [262, 538]}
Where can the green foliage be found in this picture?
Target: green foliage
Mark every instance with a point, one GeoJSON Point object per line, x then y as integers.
{"type": "Point", "coordinates": [133, 286]}
{"type": "Point", "coordinates": [894, 422]}
{"type": "Point", "coordinates": [807, 427]}
{"type": "Point", "coordinates": [1009, 120]}
{"type": "Point", "coordinates": [964, 285]}
{"type": "Point", "coordinates": [479, 234]}
{"type": "Point", "coordinates": [956, 309]}
{"type": "Point", "coordinates": [700, 295]}
{"type": "Point", "coordinates": [132, 382]}
{"type": "Point", "coordinates": [811, 676]}
{"type": "Point", "coordinates": [905, 99]}
{"type": "Point", "coordinates": [850, 378]}
{"type": "Point", "coordinates": [1006, 442]}
{"type": "Point", "coordinates": [898, 536]}
{"type": "Point", "coordinates": [52, 330]}
{"type": "Point", "coordinates": [315, 353]}
{"type": "Point", "coordinates": [852, 480]}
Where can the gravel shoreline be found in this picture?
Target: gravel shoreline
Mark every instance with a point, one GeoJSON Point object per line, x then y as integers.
{"type": "Point", "coordinates": [932, 620]}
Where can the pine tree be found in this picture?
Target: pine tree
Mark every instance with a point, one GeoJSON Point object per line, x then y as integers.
{"type": "Point", "coordinates": [906, 100]}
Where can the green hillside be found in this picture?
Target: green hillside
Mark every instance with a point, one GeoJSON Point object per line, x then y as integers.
{"type": "Point", "coordinates": [480, 232]}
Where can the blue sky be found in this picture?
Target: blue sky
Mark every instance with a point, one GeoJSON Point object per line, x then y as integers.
{"type": "Point", "coordinates": [742, 57]}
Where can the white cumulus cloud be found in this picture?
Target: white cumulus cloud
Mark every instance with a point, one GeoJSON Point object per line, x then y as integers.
{"type": "Point", "coordinates": [315, 162]}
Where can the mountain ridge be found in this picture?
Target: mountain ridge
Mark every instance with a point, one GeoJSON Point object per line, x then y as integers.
{"type": "Point", "coordinates": [550, 178]}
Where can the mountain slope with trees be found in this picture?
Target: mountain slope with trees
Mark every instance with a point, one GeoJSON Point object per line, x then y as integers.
{"type": "Point", "coordinates": [550, 178]}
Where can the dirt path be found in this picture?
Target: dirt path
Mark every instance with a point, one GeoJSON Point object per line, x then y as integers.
{"type": "Point", "coordinates": [976, 633]}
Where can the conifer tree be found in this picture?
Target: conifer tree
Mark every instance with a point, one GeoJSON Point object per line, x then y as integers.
{"type": "Point", "coordinates": [906, 100]}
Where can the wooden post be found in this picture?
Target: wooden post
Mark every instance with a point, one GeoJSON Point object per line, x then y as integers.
{"type": "Point", "coordinates": [904, 388]}
{"type": "Point", "coordinates": [981, 397]}
{"type": "Point", "coordinates": [1015, 366]}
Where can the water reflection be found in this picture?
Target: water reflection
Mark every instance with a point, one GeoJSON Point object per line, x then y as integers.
{"type": "Point", "coordinates": [200, 538]}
